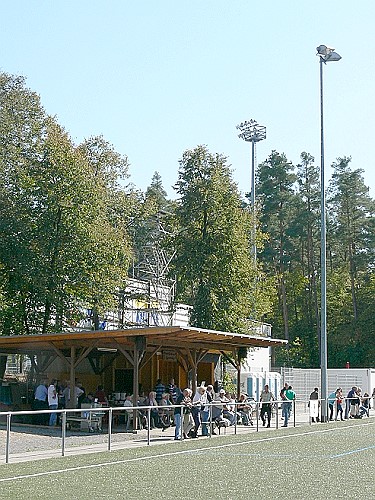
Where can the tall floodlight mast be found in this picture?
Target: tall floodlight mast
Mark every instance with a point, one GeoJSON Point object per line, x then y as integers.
{"type": "Point", "coordinates": [325, 55]}
{"type": "Point", "coordinates": [251, 131]}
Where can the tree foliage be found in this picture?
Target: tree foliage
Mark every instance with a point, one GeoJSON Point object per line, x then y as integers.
{"type": "Point", "coordinates": [290, 219]}
{"type": "Point", "coordinates": [213, 262]}
{"type": "Point", "coordinates": [63, 246]}
{"type": "Point", "coordinates": [70, 226]}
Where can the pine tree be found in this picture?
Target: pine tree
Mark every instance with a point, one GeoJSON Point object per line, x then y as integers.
{"type": "Point", "coordinates": [213, 258]}
{"type": "Point", "coordinates": [275, 182]}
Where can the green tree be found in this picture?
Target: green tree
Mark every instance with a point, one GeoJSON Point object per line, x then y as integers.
{"type": "Point", "coordinates": [351, 238]}
{"type": "Point", "coordinates": [110, 222]}
{"type": "Point", "coordinates": [275, 188]}
{"type": "Point", "coordinates": [64, 242]}
{"type": "Point", "coordinates": [306, 259]}
{"type": "Point", "coordinates": [213, 259]}
{"type": "Point", "coordinates": [156, 193]}
{"type": "Point", "coordinates": [352, 223]}
{"type": "Point", "coordinates": [22, 128]}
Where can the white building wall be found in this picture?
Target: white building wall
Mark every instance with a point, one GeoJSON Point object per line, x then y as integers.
{"type": "Point", "coordinates": [258, 360]}
{"type": "Point", "coordinates": [304, 381]}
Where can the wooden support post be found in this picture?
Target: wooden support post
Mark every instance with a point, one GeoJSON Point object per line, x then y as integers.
{"type": "Point", "coordinates": [194, 369]}
{"type": "Point", "coordinates": [139, 350]}
{"type": "Point", "coordinates": [72, 401]}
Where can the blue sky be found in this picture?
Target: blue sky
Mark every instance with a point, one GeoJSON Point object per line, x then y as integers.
{"type": "Point", "coordinates": [159, 77]}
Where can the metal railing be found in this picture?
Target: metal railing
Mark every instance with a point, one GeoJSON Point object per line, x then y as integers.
{"type": "Point", "coordinates": [255, 411]}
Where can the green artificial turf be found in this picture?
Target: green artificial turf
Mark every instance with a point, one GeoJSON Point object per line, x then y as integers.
{"type": "Point", "coordinates": [333, 460]}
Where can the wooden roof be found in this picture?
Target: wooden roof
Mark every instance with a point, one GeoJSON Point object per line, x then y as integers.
{"type": "Point", "coordinates": [164, 336]}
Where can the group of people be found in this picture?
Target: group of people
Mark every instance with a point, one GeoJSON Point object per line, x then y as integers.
{"type": "Point", "coordinates": [195, 411]}
{"type": "Point", "coordinates": [227, 411]}
{"type": "Point", "coordinates": [160, 400]}
{"type": "Point", "coordinates": [267, 399]}
{"type": "Point", "coordinates": [55, 396]}
{"type": "Point", "coordinates": [356, 404]}
{"type": "Point", "coordinates": [198, 411]}
{"type": "Point", "coordinates": [192, 413]}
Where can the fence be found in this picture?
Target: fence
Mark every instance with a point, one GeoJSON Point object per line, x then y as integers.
{"type": "Point", "coordinates": [257, 410]}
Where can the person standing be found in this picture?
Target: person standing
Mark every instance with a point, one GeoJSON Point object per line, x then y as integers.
{"type": "Point", "coordinates": [72, 402]}
{"type": "Point", "coordinates": [290, 396]}
{"type": "Point", "coordinates": [331, 404]}
{"type": "Point", "coordinates": [266, 397]}
{"type": "Point", "coordinates": [349, 398]}
{"type": "Point", "coordinates": [282, 392]}
{"type": "Point", "coordinates": [339, 400]}
{"type": "Point", "coordinates": [283, 398]}
{"type": "Point", "coordinates": [314, 405]}
{"type": "Point", "coordinates": [210, 394]}
{"type": "Point", "coordinates": [182, 415]}
{"type": "Point", "coordinates": [53, 401]}
{"type": "Point", "coordinates": [205, 412]}
{"type": "Point", "coordinates": [199, 404]}
{"type": "Point", "coordinates": [41, 403]}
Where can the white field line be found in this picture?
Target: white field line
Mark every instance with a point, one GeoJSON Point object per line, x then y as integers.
{"type": "Point", "coordinates": [351, 452]}
{"type": "Point", "coordinates": [182, 452]}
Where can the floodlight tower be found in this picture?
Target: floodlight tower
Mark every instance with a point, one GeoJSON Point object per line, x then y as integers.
{"type": "Point", "coordinates": [251, 131]}
{"type": "Point", "coordinates": [325, 55]}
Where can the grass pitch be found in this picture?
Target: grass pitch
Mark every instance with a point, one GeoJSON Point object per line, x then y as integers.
{"type": "Point", "coordinates": [325, 460]}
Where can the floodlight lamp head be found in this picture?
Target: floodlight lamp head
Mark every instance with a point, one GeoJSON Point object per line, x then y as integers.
{"type": "Point", "coordinates": [323, 50]}
{"type": "Point", "coordinates": [327, 54]}
{"type": "Point", "coordinates": [332, 57]}
{"type": "Point", "coordinates": [251, 131]}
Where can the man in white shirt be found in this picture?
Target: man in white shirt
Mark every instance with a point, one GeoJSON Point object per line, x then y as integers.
{"type": "Point", "coordinates": [40, 403]}
{"type": "Point", "coordinates": [266, 397]}
{"type": "Point", "coordinates": [53, 401]}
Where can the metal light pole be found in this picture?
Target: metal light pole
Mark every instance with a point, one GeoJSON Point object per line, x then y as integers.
{"type": "Point", "coordinates": [325, 55]}
{"type": "Point", "coordinates": [252, 132]}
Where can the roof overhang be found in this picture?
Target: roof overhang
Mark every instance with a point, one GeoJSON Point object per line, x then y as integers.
{"type": "Point", "coordinates": [164, 336]}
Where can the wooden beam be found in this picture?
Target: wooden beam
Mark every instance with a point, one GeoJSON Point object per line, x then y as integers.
{"type": "Point", "coordinates": [202, 354]}
{"type": "Point", "coordinates": [146, 359]}
{"type": "Point", "coordinates": [48, 361]}
{"type": "Point", "coordinates": [194, 371]}
{"type": "Point", "coordinates": [84, 353]}
{"type": "Point", "coordinates": [95, 363]}
{"type": "Point", "coordinates": [60, 354]}
{"type": "Point", "coordinates": [181, 360]}
{"type": "Point", "coordinates": [127, 354]}
{"type": "Point", "coordinates": [230, 360]}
